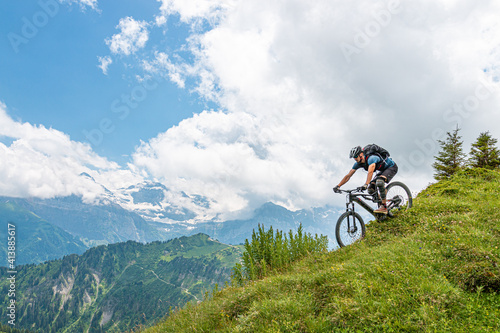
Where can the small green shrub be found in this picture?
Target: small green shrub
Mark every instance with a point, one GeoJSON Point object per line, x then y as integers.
{"type": "Point", "coordinates": [269, 251]}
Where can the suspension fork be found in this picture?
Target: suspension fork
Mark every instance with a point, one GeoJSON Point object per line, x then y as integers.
{"type": "Point", "coordinates": [351, 199]}
{"type": "Point", "coordinates": [349, 206]}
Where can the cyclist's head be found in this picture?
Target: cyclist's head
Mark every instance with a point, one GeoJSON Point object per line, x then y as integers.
{"type": "Point", "coordinates": [355, 152]}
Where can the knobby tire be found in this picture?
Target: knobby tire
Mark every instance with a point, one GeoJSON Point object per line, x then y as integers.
{"type": "Point", "coordinates": [343, 235]}
{"type": "Point", "coordinates": [402, 192]}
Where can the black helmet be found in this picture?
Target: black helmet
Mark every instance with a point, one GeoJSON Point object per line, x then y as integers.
{"type": "Point", "coordinates": [355, 152]}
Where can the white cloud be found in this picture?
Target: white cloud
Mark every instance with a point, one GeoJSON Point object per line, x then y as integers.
{"type": "Point", "coordinates": [104, 63]}
{"type": "Point", "coordinates": [160, 20]}
{"type": "Point", "coordinates": [132, 37]}
{"type": "Point", "coordinates": [295, 103]}
{"type": "Point", "coordinates": [83, 3]}
{"type": "Point", "coordinates": [194, 11]}
{"type": "Point", "coordinates": [162, 64]}
{"type": "Point", "coordinates": [43, 162]}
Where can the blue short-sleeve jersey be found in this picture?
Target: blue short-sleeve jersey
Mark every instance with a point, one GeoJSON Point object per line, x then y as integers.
{"type": "Point", "coordinates": [381, 165]}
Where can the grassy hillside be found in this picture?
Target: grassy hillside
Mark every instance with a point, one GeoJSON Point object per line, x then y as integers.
{"type": "Point", "coordinates": [434, 268]}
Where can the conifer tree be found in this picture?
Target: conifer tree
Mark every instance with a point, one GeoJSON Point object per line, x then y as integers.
{"type": "Point", "coordinates": [484, 153]}
{"type": "Point", "coordinates": [451, 158]}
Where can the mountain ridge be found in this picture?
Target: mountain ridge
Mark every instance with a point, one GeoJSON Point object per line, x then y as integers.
{"type": "Point", "coordinates": [118, 286]}
{"type": "Point", "coordinates": [106, 223]}
{"type": "Point", "coordinates": [36, 239]}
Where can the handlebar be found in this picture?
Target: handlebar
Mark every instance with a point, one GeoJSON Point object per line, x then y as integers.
{"type": "Point", "coordinates": [356, 190]}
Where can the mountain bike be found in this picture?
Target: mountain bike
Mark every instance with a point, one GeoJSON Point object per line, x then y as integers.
{"type": "Point", "coordinates": [351, 227]}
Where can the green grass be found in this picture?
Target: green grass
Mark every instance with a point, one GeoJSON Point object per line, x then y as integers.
{"type": "Point", "coordinates": [434, 268]}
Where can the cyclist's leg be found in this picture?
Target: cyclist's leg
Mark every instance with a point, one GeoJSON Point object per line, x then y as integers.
{"type": "Point", "coordinates": [380, 183]}
{"type": "Point", "coordinates": [383, 178]}
{"type": "Point", "coordinates": [389, 173]}
{"type": "Point", "coordinates": [372, 189]}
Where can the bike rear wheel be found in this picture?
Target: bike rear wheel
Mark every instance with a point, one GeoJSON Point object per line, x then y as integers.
{"type": "Point", "coordinates": [398, 197]}
{"type": "Point", "coordinates": [349, 229]}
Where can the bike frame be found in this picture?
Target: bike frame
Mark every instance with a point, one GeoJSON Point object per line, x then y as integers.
{"type": "Point", "coordinates": [356, 198]}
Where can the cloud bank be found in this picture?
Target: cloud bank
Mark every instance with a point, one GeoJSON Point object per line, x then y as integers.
{"type": "Point", "coordinates": [297, 85]}
{"type": "Point", "coordinates": [300, 83]}
{"type": "Point", "coordinates": [44, 162]}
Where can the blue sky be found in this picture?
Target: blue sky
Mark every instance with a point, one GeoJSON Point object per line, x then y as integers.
{"type": "Point", "coordinates": [54, 78]}
{"type": "Point", "coordinates": [241, 101]}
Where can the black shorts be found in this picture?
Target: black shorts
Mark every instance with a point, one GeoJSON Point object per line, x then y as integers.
{"type": "Point", "coordinates": [389, 173]}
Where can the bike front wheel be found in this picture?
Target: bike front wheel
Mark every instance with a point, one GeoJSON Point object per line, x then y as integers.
{"type": "Point", "coordinates": [398, 197]}
{"type": "Point", "coordinates": [349, 229]}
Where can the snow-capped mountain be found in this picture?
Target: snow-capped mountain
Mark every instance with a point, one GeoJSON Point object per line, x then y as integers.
{"type": "Point", "coordinates": [155, 202]}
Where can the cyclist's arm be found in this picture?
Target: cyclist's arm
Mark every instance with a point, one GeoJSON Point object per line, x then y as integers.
{"type": "Point", "coordinates": [346, 177]}
{"type": "Point", "coordinates": [371, 170]}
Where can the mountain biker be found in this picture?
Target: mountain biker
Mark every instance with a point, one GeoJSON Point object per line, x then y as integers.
{"type": "Point", "coordinates": [386, 170]}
